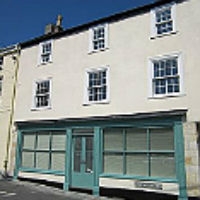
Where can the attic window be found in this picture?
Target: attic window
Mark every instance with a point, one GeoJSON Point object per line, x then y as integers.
{"type": "Point", "coordinates": [98, 38]}
{"type": "Point", "coordinates": [45, 52]}
{"type": "Point", "coordinates": [163, 20]}
{"type": "Point", "coordinates": [1, 82]}
{"type": "Point", "coordinates": [1, 62]}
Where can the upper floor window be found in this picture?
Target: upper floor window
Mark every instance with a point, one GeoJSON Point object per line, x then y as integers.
{"type": "Point", "coordinates": [42, 94]}
{"type": "Point", "coordinates": [1, 82]}
{"type": "Point", "coordinates": [166, 76]}
{"type": "Point", "coordinates": [99, 38]}
{"type": "Point", "coordinates": [163, 20]}
{"type": "Point", "coordinates": [97, 86]}
{"type": "Point", "coordinates": [45, 52]}
{"type": "Point", "coordinates": [1, 62]}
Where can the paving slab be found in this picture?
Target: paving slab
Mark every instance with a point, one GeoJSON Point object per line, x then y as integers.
{"type": "Point", "coordinates": [23, 190]}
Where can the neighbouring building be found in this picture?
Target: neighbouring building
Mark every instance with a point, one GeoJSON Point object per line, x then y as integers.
{"type": "Point", "coordinates": [112, 103]}
{"type": "Point", "coordinates": [8, 79]}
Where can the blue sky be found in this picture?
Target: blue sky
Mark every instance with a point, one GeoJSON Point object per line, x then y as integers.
{"type": "Point", "coordinates": [22, 20]}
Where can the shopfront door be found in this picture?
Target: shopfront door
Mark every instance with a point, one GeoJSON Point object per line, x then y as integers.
{"type": "Point", "coordinates": [82, 159]}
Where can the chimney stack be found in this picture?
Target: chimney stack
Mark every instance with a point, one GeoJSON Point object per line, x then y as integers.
{"type": "Point", "coordinates": [52, 28]}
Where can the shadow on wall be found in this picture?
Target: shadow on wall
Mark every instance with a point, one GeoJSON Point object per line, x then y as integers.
{"type": "Point", "coordinates": [135, 195]}
{"type": "Point", "coordinates": [138, 195]}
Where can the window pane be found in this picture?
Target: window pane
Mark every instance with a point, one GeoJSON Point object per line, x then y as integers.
{"type": "Point", "coordinates": [58, 161]}
{"type": "Point", "coordinates": [97, 89]}
{"type": "Point", "coordinates": [113, 139]}
{"type": "Point", "coordinates": [45, 52]}
{"type": "Point", "coordinates": [89, 154]}
{"type": "Point", "coordinates": [162, 139]}
{"type": "Point", "coordinates": [160, 86]}
{"type": "Point", "coordinates": [29, 141]}
{"type": "Point", "coordinates": [28, 159]}
{"type": "Point", "coordinates": [173, 84]}
{"type": "Point", "coordinates": [42, 160]}
{"type": "Point", "coordinates": [136, 139]}
{"type": "Point", "coordinates": [58, 141]}
{"type": "Point", "coordinates": [42, 93]}
{"type": "Point", "coordinates": [77, 153]}
{"type": "Point", "coordinates": [99, 38]}
{"type": "Point", "coordinates": [137, 164]}
{"type": "Point", "coordinates": [113, 164]}
{"type": "Point", "coordinates": [163, 165]}
{"type": "Point", "coordinates": [164, 20]}
{"type": "Point", "coordinates": [1, 61]}
{"type": "Point", "coordinates": [1, 82]}
{"type": "Point", "coordinates": [43, 141]}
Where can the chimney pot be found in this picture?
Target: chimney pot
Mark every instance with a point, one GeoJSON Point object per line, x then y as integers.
{"type": "Point", "coordinates": [59, 21]}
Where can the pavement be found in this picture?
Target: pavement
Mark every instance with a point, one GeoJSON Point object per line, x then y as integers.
{"type": "Point", "coordinates": [23, 190]}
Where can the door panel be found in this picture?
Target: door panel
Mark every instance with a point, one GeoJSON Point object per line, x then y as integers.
{"type": "Point", "coordinates": [82, 161]}
{"type": "Point", "coordinates": [77, 154]}
{"type": "Point", "coordinates": [89, 155]}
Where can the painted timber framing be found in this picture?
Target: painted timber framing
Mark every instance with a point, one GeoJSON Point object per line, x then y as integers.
{"type": "Point", "coordinates": [173, 119]}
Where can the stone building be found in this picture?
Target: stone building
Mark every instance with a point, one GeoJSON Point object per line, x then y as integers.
{"type": "Point", "coordinates": [112, 103]}
{"type": "Point", "coordinates": [8, 79]}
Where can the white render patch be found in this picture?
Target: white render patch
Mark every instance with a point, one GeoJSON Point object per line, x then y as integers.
{"type": "Point", "coordinates": [2, 192]}
{"type": "Point", "coordinates": [7, 194]}
{"type": "Point", "coordinates": [59, 179]}
{"type": "Point", "coordinates": [150, 186]}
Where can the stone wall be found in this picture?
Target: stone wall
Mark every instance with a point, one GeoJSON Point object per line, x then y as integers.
{"type": "Point", "coordinates": [191, 135]}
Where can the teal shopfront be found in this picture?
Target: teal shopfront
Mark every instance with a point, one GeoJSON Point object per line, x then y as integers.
{"type": "Point", "coordinates": [142, 147]}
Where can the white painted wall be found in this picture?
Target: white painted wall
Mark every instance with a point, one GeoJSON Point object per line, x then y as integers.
{"type": "Point", "coordinates": [130, 48]}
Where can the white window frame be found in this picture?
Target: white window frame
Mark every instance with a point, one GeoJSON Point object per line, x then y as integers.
{"type": "Point", "coordinates": [86, 86]}
{"type": "Point", "coordinates": [91, 38]}
{"type": "Point", "coordinates": [151, 75]}
{"type": "Point", "coordinates": [153, 19]}
{"type": "Point", "coordinates": [1, 62]}
{"type": "Point", "coordinates": [40, 60]}
{"type": "Point", "coordinates": [34, 95]}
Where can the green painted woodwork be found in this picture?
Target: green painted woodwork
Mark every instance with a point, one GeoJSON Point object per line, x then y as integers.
{"type": "Point", "coordinates": [180, 160]}
{"type": "Point", "coordinates": [97, 159]}
{"type": "Point", "coordinates": [18, 155]}
{"type": "Point", "coordinates": [91, 180]}
{"type": "Point", "coordinates": [68, 160]}
{"type": "Point", "coordinates": [82, 161]}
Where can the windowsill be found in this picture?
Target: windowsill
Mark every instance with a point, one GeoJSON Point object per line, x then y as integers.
{"type": "Point", "coordinates": [96, 103]}
{"type": "Point", "coordinates": [44, 63]}
{"type": "Point", "coordinates": [98, 50]}
{"type": "Point", "coordinates": [166, 96]}
{"type": "Point", "coordinates": [163, 35]}
{"type": "Point", "coordinates": [41, 108]}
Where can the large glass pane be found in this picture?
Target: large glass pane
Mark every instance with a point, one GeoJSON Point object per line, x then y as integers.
{"type": "Point", "coordinates": [58, 161]}
{"type": "Point", "coordinates": [113, 139]}
{"type": "Point", "coordinates": [29, 141]}
{"type": "Point", "coordinates": [163, 165]}
{"type": "Point", "coordinates": [28, 159]}
{"type": "Point", "coordinates": [113, 164]}
{"type": "Point", "coordinates": [43, 141]}
{"type": "Point", "coordinates": [42, 160]}
{"type": "Point", "coordinates": [136, 139]}
{"type": "Point", "coordinates": [58, 141]}
{"type": "Point", "coordinates": [89, 155]}
{"type": "Point", "coordinates": [162, 139]}
{"type": "Point", "coordinates": [77, 153]}
{"type": "Point", "coordinates": [137, 164]}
